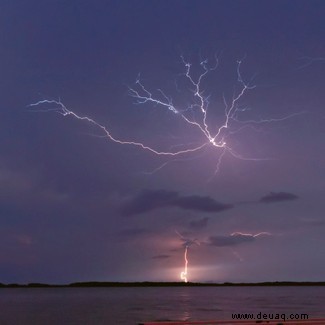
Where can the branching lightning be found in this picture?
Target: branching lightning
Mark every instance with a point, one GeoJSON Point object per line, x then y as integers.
{"type": "Point", "coordinates": [61, 109]}
{"type": "Point", "coordinates": [195, 116]}
{"type": "Point", "coordinates": [307, 61]}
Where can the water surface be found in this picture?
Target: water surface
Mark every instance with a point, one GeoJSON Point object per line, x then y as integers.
{"type": "Point", "coordinates": [128, 306]}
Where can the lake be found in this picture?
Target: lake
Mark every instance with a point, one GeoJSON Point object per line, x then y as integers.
{"type": "Point", "coordinates": [128, 306]}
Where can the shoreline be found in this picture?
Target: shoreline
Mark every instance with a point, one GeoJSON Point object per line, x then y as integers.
{"type": "Point", "coordinates": [95, 284]}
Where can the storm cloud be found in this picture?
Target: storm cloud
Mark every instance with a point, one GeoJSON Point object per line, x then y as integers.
{"type": "Point", "coordinates": [148, 200]}
{"type": "Point", "coordinates": [274, 197]}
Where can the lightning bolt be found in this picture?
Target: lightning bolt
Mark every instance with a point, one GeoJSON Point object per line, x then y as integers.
{"type": "Point", "coordinates": [184, 273]}
{"type": "Point", "coordinates": [61, 109]}
{"type": "Point", "coordinates": [187, 242]}
{"type": "Point", "coordinates": [235, 253]}
{"type": "Point", "coordinates": [307, 61]}
{"type": "Point", "coordinates": [263, 233]}
{"type": "Point", "coordinates": [195, 115]}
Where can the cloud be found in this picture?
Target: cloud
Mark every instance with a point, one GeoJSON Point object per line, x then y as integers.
{"type": "Point", "coordinates": [234, 239]}
{"type": "Point", "coordinates": [199, 224]}
{"type": "Point", "coordinates": [200, 203]}
{"type": "Point", "coordinates": [274, 197]}
{"type": "Point", "coordinates": [148, 200]}
{"type": "Point", "coordinates": [161, 257]}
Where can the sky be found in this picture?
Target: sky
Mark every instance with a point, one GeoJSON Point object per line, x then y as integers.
{"type": "Point", "coordinates": [239, 85]}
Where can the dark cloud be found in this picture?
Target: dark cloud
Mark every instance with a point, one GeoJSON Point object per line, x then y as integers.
{"type": "Point", "coordinates": [148, 200]}
{"type": "Point", "coordinates": [200, 203]}
{"type": "Point", "coordinates": [161, 257]}
{"type": "Point", "coordinates": [274, 197]}
{"type": "Point", "coordinates": [233, 239]}
{"type": "Point", "coordinates": [199, 224]}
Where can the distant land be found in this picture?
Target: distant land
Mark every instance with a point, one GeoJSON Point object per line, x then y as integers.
{"type": "Point", "coordinates": [94, 284]}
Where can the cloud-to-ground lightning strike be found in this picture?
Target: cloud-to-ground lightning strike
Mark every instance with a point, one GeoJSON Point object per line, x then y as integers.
{"type": "Point", "coordinates": [229, 125]}
{"type": "Point", "coordinates": [184, 273]}
{"type": "Point", "coordinates": [187, 242]}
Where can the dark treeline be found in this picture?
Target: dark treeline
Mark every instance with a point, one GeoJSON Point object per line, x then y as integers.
{"type": "Point", "coordinates": [93, 284]}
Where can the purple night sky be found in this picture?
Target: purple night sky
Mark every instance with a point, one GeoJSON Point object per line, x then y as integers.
{"type": "Point", "coordinates": [75, 206]}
